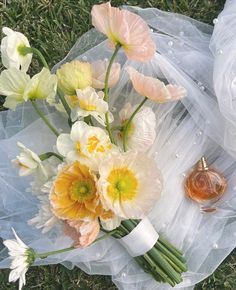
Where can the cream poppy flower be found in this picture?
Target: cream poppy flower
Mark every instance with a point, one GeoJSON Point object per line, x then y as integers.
{"type": "Point", "coordinates": [74, 75]}
{"type": "Point", "coordinates": [154, 89]}
{"type": "Point", "coordinates": [12, 85]}
{"type": "Point", "coordinates": [91, 103]}
{"type": "Point", "coordinates": [28, 162]}
{"type": "Point", "coordinates": [22, 258]}
{"type": "Point", "coordinates": [42, 86]}
{"type": "Point", "coordinates": [10, 50]}
{"type": "Point", "coordinates": [99, 69]}
{"type": "Point", "coordinates": [85, 143]}
{"type": "Point", "coordinates": [129, 184]}
{"type": "Point", "coordinates": [126, 29]}
{"type": "Point", "coordinates": [142, 130]}
{"type": "Point", "coordinates": [44, 220]}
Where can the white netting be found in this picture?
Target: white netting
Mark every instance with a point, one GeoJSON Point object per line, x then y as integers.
{"type": "Point", "coordinates": [186, 130]}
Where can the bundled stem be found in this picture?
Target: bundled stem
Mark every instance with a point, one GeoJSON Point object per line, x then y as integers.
{"type": "Point", "coordinates": [164, 262]}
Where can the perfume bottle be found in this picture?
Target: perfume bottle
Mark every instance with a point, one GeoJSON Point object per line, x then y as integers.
{"type": "Point", "coordinates": [205, 185]}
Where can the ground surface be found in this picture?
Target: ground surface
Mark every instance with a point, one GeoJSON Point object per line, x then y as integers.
{"type": "Point", "coordinates": [53, 26]}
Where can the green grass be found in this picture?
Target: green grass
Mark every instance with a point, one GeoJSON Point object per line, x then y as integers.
{"type": "Point", "coordinates": [53, 27]}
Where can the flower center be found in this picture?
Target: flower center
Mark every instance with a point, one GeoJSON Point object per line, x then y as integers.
{"type": "Point", "coordinates": [21, 164]}
{"type": "Point", "coordinates": [123, 184]}
{"type": "Point", "coordinates": [79, 149]}
{"type": "Point", "coordinates": [87, 107]}
{"type": "Point", "coordinates": [82, 190]}
{"type": "Point", "coordinates": [93, 143]}
{"type": "Point", "coordinates": [73, 101]}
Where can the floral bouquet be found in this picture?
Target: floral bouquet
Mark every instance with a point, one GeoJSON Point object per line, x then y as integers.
{"type": "Point", "coordinates": [98, 178]}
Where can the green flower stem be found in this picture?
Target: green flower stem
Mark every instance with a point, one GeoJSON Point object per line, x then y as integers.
{"type": "Point", "coordinates": [126, 126]}
{"type": "Point", "coordinates": [156, 268]}
{"type": "Point", "coordinates": [41, 114]}
{"type": "Point", "coordinates": [64, 102]}
{"type": "Point", "coordinates": [45, 255]}
{"type": "Point", "coordinates": [171, 256]}
{"type": "Point", "coordinates": [165, 266]}
{"type": "Point", "coordinates": [47, 155]}
{"type": "Point", "coordinates": [26, 50]}
{"type": "Point", "coordinates": [172, 248]}
{"type": "Point", "coordinates": [106, 96]}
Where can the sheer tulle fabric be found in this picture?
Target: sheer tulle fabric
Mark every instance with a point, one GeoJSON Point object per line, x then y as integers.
{"type": "Point", "coordinates": [186, 130]}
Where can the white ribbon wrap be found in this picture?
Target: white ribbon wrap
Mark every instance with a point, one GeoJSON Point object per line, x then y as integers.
{"type": "Point", "coordinates": [142, 238]}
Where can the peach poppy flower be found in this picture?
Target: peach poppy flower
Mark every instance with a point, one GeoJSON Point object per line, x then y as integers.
{"type": "Point", "coordinates": [126, 29]}
{"type": "Point", "coordinates": [99, 69]}
{"type": "Point", "coordinates": [154, 89]}
{"type": "Point", "coordinates": [83, 233]}
{"type": "Point", "coordinates": [74, 193]}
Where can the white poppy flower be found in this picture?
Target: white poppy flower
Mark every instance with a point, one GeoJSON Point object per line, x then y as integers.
{"type": "Point", "coordinates": [129, 184]}
{"type": "Point", "coordinates": [42, 86]}
{"type": "Point", "coordinates": [28, 161]}
{"type": "Point", "coordinates": [91, 103]}
{"type": "Point", "coordinates": [44, 219]}
{"type": "Point", "coordinates": [142, 130]}
{"type": "Point", "coordinates": [10, 50]}
{"type": "Point", "coordinates": [99, 69]}
{"type": "Point", "coordinates": [85, 143]}
{"type": "Point", "coordinates": [22, 258]}
{"type": "Point", "coordinates": [12, 85]}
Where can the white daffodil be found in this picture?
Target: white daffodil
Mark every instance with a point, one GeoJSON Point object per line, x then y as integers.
{"type": "Point", "coordinates": [44, 219]}
{"type": "Point", "coordinates": [85, 143]}
{"type": "Point", "coordinates": [91, 103]}
{"type": "Point", "coordinates": [142, 130]}
{"type": "Point", "coordinates": [42, 86]}
{"type": "Point", "coordinates": [28, 161]}
{"type": "Point", "coordinates": [22, 258]}
{"type": "Point", "coordinates": [11, 46]}
{"type": "Point", "coordinates": [12, 85]}
{"type": "Point", "coordinates": [129, 184]}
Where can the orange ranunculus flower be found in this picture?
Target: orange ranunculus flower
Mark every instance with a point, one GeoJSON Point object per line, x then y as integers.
{"type": "Point", "coordinates": [126, 29]}
{"type": "Point", "coordinates": [74, 193]}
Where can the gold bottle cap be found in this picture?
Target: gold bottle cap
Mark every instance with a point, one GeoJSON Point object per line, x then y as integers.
{"type": "Point", "coordinates": [202, 164]}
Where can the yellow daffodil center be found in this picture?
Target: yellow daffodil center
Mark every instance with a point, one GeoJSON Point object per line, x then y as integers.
{"type": "Point", "coordinates": [82, 190]}
{"type": "Point", "coordinates": [123, 184]}
{"type": "Point", "coordinates": [79, 150]}
{"type": "Point", "coordinates": [72, 101]}
{"type": "Point", "coordinates": [87, 107]}
{"type": "Point", "coordinates": [93, 144]}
